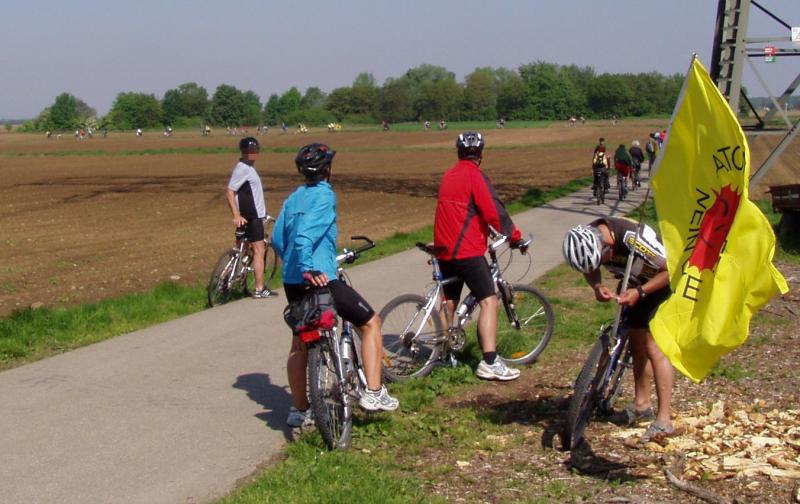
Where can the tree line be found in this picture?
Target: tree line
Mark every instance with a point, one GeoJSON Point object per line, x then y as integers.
{"type": "Point", "coordinates": [535, 91]}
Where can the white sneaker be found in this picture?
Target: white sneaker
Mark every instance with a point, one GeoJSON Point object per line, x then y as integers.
{"type": "Point", "coordinates": [497, 371]}
{"type": "Point", "coordinates": [381, 400]}
{"type": "Point", "coordinates": [299, 418]}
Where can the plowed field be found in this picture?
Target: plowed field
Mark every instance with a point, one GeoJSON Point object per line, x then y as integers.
{"type": "Point", "coordinates": [81, 221]}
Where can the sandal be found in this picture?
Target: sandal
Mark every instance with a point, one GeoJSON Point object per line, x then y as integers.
{"type": "Point", "coordinates": [630, 415]}
{"type": "Point", "coordinates": [657, 429]}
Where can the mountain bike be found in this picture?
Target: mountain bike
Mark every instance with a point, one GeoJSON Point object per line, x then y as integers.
{"type": "Point", "coordinates": [622, 186]}
{"type": "Point", "coordinates": [417, 334]}
{"type": "Point", "coordinates": [598, 383]}
{"type": "Point", "coordinates": [233, 272]}
{"type": "Point", "coordinates": [600, 184]}
{"type": "Point", "coordinates": [335, 372]}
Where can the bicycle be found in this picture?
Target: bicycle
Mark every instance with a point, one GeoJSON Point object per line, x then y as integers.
{"type": "Point", "coordinates": [414, 333]}
{"type": "Point", "coordinates": [622, 186]}
{"type": "Point", "coordinates": [233, 270]}
{"type": "Point", "coordinates": [598, 383]}
{"type": "Point", "coordinates": [600, 183]}
{"type": "Point", "coordinates": [335, 372]}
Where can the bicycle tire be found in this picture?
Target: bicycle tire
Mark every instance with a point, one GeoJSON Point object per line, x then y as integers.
{"type": "Point", "coordinates": [219, 285]}
{"type": "Point", "coordinates": [334, 420]}
{"type": "Point", "coordinates": [536, 319]}
{"type": "Point", "coordinates": [270, 268]}
{"type": "Point", "coordinates": [404, 357]}
{"type": "Point", "coordinates": [584, 401]}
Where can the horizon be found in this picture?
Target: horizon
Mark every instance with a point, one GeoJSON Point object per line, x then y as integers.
{"type": "Point", "coordinates": [151, 47]}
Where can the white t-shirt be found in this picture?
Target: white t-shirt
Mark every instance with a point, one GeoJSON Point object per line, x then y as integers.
{"type": "Point", "coordinates": [246, 183]}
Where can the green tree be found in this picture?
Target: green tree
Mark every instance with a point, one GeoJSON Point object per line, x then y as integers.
{"type": "Point", "coordinates": [135, 110]}
{"type": "Point", "coordinates": [339, 102]}
{"type": "Point", "coordinates": [511, 94]}
{"type": "Point", "coordinates": [550, 95]}
{"type": "Point", "coordinates": [480, 95]}
{"type": "Point", "coordinates": [227, 106]}
{"type": "Point", "coordinates": [609, 94]}
{"type": "Point", "coordinates": [364, 95]}
{"type": "Point", "coordinates": [252, 108]}
{"type": "Point", "coordinates": [314, 98]}
{"type": "Point", "coordinates": [271, 110]}
{"type": "Point", "coordinates": [63, 114]}
{"type": "Point", "coordinates": [288, 103]}
{"type": "Point", "coordinates": [396, 102]}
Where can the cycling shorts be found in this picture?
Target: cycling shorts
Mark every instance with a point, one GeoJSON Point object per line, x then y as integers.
{"type": "Point", "coordinates": [349, 303]}
{"type": "Point", "coordinates": [642, 312]}
{"type": "Point", "coordinates": [254, 229]}
{"type": "Point", "coordinates": [474, 271]}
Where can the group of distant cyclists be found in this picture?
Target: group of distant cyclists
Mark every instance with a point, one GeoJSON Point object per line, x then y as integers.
{"type": "Point", "coordinates": [305, 237]}
{"type": "Point", "coordinates": [626, 161]}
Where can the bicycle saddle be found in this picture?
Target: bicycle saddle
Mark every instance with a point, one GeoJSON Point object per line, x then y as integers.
{"type": "Point", "coordinates": [430, 248]}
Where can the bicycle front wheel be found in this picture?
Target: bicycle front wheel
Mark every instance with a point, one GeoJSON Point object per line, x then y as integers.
{"type": "Point", "coordinates": [220, 284]}
{"type": "Point", "coordinates": [585, 399]}
{"type": "Point", "coordinates": [333, 418]}
{"type": "Point", "coordinates": [526, 330]}
{"type": "Point", "coordinates": [411, 340]}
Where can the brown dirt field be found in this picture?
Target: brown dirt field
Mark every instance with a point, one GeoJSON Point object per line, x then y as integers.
{"type": "Point", "coordinates": [102, 218]}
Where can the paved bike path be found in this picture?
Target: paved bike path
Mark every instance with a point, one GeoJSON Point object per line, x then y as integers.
{"type": "Point", "coordinates": [180, 412]}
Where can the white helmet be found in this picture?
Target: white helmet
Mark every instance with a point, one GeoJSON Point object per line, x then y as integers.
{"type": "Point", "coordinates": [582, 248]}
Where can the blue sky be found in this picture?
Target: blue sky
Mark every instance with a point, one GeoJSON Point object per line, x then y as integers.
{"type": "Point", "coordinates": [95, 49]}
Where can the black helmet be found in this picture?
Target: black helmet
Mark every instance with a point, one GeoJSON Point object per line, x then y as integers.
{"type": "Point", "coordinates": [469, 144]}
{"type": "Point", "coordinates": [314, 160]}
{"type": "Point", "coordinates": [249, 145]}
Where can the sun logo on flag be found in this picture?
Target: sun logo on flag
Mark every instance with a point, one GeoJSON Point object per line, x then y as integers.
{"type": "Point", "coordinates": [714, 228]}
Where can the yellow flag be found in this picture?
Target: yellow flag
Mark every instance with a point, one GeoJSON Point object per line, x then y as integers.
{"type": "Point", "coordinates": [719, 245]}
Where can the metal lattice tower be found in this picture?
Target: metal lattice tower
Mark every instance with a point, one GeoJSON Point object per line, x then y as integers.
{"type": "Point", "coordinates": [732, 52]}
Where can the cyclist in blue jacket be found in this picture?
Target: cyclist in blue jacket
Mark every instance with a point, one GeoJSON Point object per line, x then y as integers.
{"type": "Point", "coordinates": [305, 239]}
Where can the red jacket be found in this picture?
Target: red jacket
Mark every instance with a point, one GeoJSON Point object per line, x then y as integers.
{"type": "Point", "coordinates": [467, 205]}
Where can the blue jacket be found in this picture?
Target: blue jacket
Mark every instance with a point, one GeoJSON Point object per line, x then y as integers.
{"type": "Point", "coordinates": [305, 232]}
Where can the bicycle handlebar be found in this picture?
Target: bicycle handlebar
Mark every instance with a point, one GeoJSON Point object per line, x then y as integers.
{"type": "Point", "coordinates": [350, 256]}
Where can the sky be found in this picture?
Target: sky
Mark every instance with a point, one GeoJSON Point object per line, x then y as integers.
{"type": "Point", "coordinates": [97, 49]}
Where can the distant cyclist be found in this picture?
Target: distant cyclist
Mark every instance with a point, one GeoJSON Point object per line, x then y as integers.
{"type": "Point", "coordinates": [622, 163]}
{"type": "Point", "coordinates": [637, 158]}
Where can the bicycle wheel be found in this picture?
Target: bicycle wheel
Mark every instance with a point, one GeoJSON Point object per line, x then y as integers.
{"type": "Point", "coordinates": [219, 285]}
{"type": "Point", "coordinates": [526, 330]}
{"type": "Point", "coordinates": [334, 420]}
{"type": "Point", "coordinates": [585, 400]}
{"type": "Point", "coordinates": [270, 268]}
{"type": "Point", "coordinates": [411, 341]}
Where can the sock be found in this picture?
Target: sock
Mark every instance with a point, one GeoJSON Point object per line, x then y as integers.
{"type": "Point", "coordinates": [376, 392]}
{"type": "Point", "coordinates": [489, 357]}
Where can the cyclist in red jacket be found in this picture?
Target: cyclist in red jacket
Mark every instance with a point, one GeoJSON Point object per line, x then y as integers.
{"type": "Point", "coordinates": [467, 206]}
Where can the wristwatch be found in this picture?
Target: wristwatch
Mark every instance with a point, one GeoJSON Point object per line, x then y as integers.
{"type": "Point", "coordinates": [642, 293]}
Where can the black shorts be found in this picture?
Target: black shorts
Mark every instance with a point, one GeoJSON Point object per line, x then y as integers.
{"type": "Point", "coordinates": [642, 312]}
{"type": "Point", "coordinates": [254, 229]}
{"type": "Point", "coordinates": [349, 303]}
{"type": "Point", "coordinates": [474, 271]}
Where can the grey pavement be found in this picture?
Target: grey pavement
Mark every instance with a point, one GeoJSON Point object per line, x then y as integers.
{"type": "Point", "coordinates": [180, 412]}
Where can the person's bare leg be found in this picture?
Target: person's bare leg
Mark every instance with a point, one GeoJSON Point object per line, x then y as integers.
{"type": "Point", "coordinates": [664, 378]}
{"type": "Point", "coordinates": [259, 248]}
{"type": "Point", "coordinates": [372, 351]}
{"type": "Point", "coordinates": [296, 371]}
{"type": "Point", "coordinates": [487, 324]}
{"type": "Point", "coordinates": [642, 371]}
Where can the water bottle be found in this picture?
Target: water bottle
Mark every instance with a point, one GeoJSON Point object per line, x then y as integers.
{"type": "Point", "coordinates": [466, 306]}
{"type": "Point", "coordinates": [347, 350]}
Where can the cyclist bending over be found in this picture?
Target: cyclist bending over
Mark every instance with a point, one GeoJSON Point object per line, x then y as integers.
{"type": "Point", "coordinates": [608, 241]}
{"type": "Point", "coordinates": [305, 239]}
{"type": "Point", "coordinates": [467, 206]}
